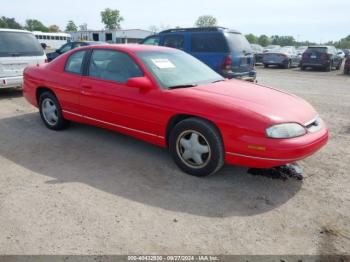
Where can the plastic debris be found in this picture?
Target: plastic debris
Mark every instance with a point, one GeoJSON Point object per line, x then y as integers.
{"type": "Point", "coordinates": [281, 172]}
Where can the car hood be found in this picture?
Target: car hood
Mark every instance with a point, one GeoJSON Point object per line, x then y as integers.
{"type": "Point", "coordinates": [271, 104]}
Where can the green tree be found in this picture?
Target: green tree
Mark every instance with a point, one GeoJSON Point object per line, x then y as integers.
{"type": "Point", "coordinates": [252, 38]}
{"type": "Point", "coordinates": [111, 18]}
{"type": "Point", "coordinates": [263, 40]}
{"type": "Point", "coordinates": [71, 27]}
{"type": "Point", "coordinates": [35, 25]}
{"type": "Point", "coordinates": [206, 21]}
{"type": "Point", "coordinates": [54, 28]}
{"type": "Point", "coordinates": [7, 22]}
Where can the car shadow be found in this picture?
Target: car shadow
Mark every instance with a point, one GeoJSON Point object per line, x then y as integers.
{"type": "Point", "coordinates": [135, 170]}
{"type": "Point", "coordinates": [8, 93]}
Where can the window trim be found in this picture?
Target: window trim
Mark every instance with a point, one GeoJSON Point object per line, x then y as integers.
{"type": "Point", "coordinates": [82, 63]}
{"type": "Point", "coordinates": [88, 62]}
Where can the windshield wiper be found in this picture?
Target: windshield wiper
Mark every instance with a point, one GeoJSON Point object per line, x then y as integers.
{"type": "Point", "coordinates": [182, 86]}
{"type": "Point", "coordinates": [220, 80]}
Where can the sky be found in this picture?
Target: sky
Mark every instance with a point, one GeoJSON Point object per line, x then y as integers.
{"type": "Point", "coordinates": [314, 20]}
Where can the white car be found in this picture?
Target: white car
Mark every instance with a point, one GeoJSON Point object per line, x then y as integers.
{"type": "Point", "coordinates": [18, 49]}
{"type": "Point", "coordinates": [340, 53]}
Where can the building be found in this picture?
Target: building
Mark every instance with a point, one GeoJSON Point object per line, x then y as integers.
{"type": "Point", "coordinates": [119, 36]}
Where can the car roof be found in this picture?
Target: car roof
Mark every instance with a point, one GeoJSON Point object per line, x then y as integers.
{"type": "Point", "coordinates": [200, 29]}
{"type": "Point", "coordinates": [130, 47]}
{"type": "Point", "coordinates": [14, 30]}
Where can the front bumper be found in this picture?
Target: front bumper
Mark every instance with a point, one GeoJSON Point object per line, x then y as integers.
{"type": "Point", "coordinates": [11, 82]}
{"type": "Point", "coordinates": [278, 151]}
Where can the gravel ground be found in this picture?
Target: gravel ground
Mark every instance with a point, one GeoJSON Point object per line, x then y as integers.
{"type": "Point", "coordinates": [90, 191]}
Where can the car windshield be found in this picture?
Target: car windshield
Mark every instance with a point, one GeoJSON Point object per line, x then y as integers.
{"type": "Point", "coordinates": [238, 43]}
{"type": "Point", "coordinates": [256, 48]}
{"type": "Point", "coordinates": [19, 44]}
{"type": "Point", "coordinates": [316, 49]}
{"type": "Point", "coordinates": [174, 69]}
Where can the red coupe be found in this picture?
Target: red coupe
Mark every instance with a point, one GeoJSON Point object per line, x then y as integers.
{"type": "Point", "coordinates": [167, 97]}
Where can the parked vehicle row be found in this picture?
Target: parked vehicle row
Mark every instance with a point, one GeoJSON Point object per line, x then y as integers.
{"type": "Point", "coordinates": [226, 51]}
{"type": "Point", "coordinates": [322, 57]}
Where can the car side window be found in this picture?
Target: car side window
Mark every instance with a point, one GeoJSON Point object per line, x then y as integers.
{"type": "Point", "coordinates": [174, 41]}
{"type": "Point", "coordinates": [76, 45]}
{"type": "Point", "coordinates": [66, 48]}
{"type": "Point", "coordinates": [153, 40]}
{"type": "Point", "coordinates": [74, 62]}
{"type": "Point", "coordinates": [208, 43]}
{"type": "Point", "coordinates": [113, 65]}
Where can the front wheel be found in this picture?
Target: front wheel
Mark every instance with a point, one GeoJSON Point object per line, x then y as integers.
{"type": "Point", "coordinates": [51, 112]}
{"type": "Point", "coordinates": [329, 67]}
{"type": "Point", "coordinates": [288, 65]}
{"type": "Point", "coordinates": [196, 147]}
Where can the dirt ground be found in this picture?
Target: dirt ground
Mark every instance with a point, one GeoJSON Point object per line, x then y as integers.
{"type": "Point", "coordinates": [86, 190]}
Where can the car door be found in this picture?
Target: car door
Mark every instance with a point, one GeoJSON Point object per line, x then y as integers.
{"type": "Point", "coordinates": [68, 88]}
{"type": "Point", "coordinates": [107, 100]}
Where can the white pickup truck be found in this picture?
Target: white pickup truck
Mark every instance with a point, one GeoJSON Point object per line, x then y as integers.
{"type": "Point", "coordinates": [18, 49]}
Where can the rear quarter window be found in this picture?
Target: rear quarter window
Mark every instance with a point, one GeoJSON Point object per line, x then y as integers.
{"type": "Point", "coordinates": [74, 62]}
{"type": "Point", "coordinates": [208, 43]}
{"type": "Point", "coordinates": [238, 42]}
{"type": "Point", "coordinates": [316, 49]}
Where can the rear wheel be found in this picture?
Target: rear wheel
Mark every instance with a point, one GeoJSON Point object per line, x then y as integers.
{"type": "Point", "coordinates": [339, 65]}
{"type": "Point", "coordinates": [51, 112]}
{"type": "Point", "coordinates": [302, 68]}
{"type": "Point", "coordinates": [196, 147]}
{"type": "Point", "coordinates": [266, 65]}
{"type": "Point", "coordinates": [288, 64]}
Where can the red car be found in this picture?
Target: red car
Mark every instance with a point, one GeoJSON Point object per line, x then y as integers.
{"type": "Point", "coordinates": [167, 97]}
{"type": "Point", "coordinates": [347, 66]}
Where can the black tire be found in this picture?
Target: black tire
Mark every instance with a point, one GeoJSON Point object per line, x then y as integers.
{"type": "Point", "coordinates": [302, 68]}
{"type": "Point", "coordinates": [346, 71]}
{"type": "Point", "coordinates": [213, 160]}
{"type": "Point", "coordinates": [339, 65]}
{"type": "Point", "coordinates": [266, 65]}
{"type": "Point", "coordinates": [59, 123]}
{"type": "Point", "coordinates": [287, 65]}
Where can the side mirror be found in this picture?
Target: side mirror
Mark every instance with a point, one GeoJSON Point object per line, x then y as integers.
{"type": "Point", "coordinates": [140, 82]}
{"type": "Point", "coordinates": [43, 45]}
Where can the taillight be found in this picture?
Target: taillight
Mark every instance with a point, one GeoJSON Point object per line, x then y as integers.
{"type": "Point", "coordinates": [227, 63]}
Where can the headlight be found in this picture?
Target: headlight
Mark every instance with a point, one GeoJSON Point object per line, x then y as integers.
{"type": "Point", "coordinates": [287, 130]}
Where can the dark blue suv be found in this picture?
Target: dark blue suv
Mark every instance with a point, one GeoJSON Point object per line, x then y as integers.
{"type": "Point", "coordinates": [224, 50]}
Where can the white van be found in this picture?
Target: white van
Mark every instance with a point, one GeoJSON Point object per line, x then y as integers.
{"type": "Point", "coordinates": [18, 49]}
